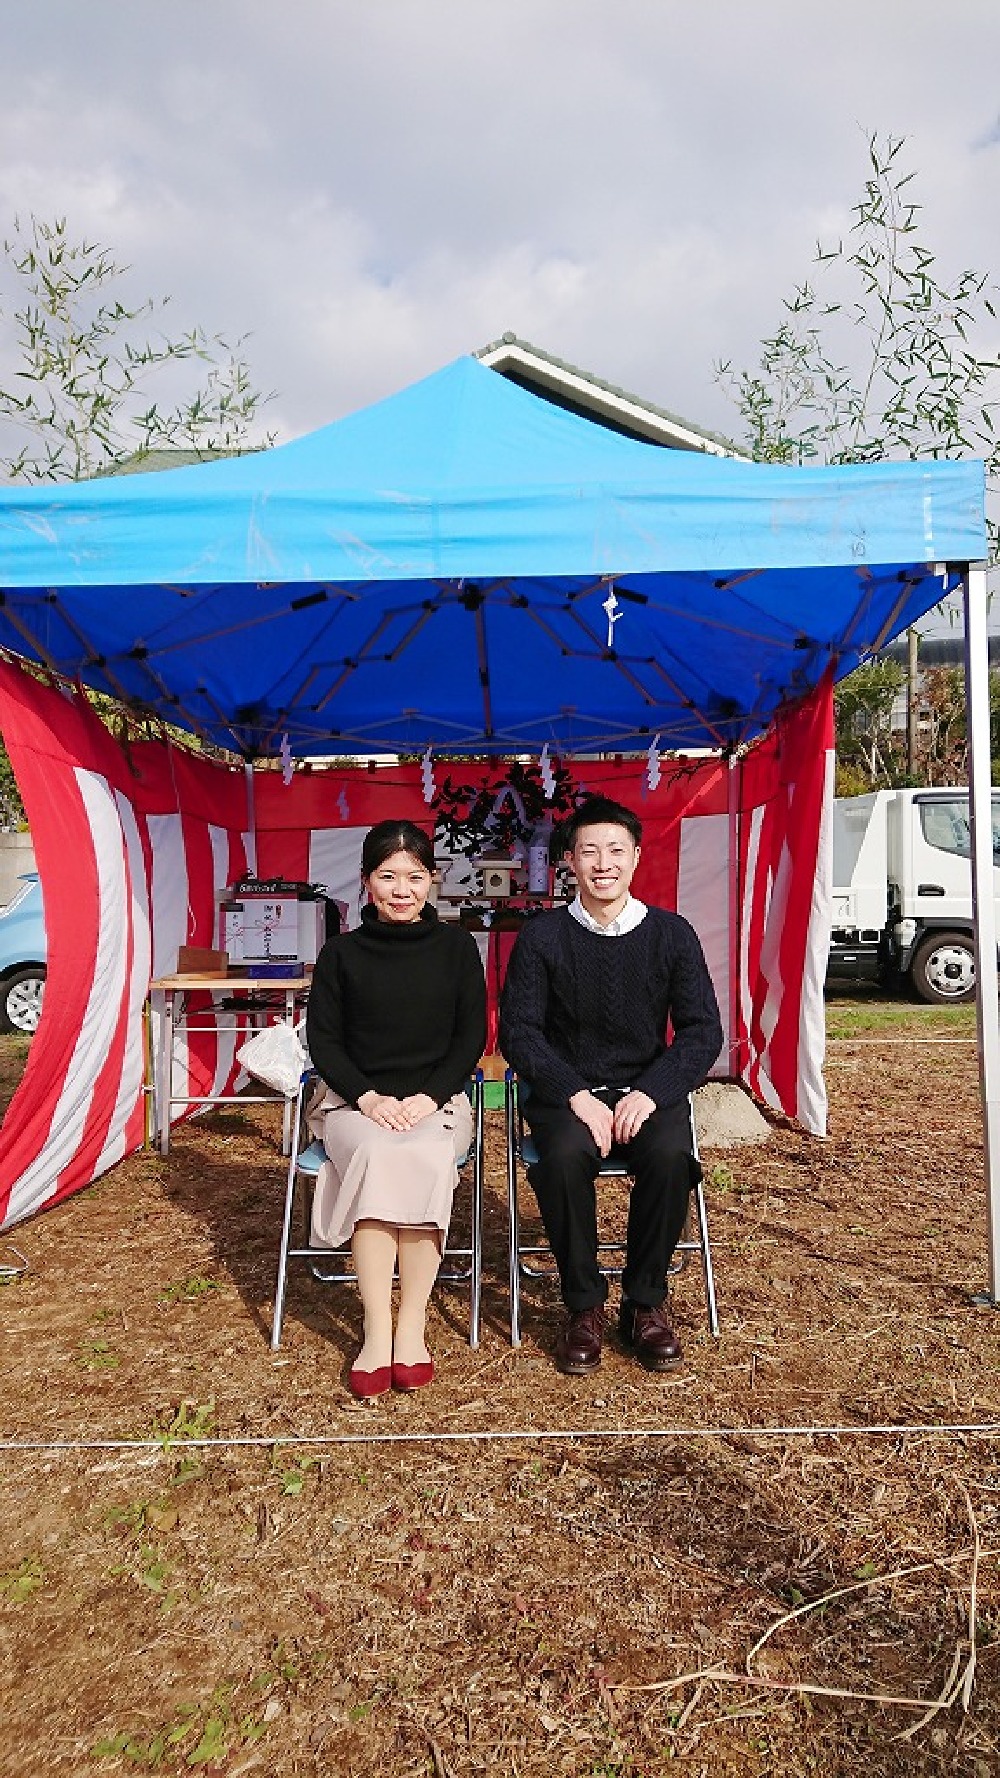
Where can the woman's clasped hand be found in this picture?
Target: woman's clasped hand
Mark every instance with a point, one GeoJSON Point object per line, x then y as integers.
{"type": "Point", "coordinates": [397, 1114]}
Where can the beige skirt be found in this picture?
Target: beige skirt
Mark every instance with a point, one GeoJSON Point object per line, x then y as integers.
{"type": "Point", "coordinates": [375, 1175]}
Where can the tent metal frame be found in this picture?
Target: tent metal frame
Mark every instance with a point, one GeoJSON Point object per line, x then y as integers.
{"type": "Point", "coordinates": [977, 699]}
{"type": "Point", "coordinates": [310, 682]}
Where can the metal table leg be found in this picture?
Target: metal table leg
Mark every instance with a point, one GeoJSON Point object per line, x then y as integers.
{"type": "Point", "coordinates": [166, 1070]}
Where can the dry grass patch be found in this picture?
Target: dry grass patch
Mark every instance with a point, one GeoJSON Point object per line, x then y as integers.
{"type": "Point", "coordinates": [585, 1599]}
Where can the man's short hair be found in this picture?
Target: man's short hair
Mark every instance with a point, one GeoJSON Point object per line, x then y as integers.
{"type": "Point", "coordinates": [599, 811]}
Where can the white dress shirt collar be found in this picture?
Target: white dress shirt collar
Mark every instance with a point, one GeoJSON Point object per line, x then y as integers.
{"type": "Point", "coordinates": [631, 916]}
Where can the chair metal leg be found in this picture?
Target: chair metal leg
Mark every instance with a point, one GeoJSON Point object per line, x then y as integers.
{"type": "Point", "coordinates": [706, 1260]}
{"type": "Point", "coordinates": [478, 1145]}
{"type": "Point", "coordinates": [285, 1249]}
{"type": "Point", "coordinates": [703, 1241]}
{"type": "Point", "coordinates": [281, 1283]}
{"type": "Point", "coordinates": [514, 1234]}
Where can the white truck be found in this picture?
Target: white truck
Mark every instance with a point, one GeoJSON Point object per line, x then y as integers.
{"type": "Point", "coordinates": [902, 898]}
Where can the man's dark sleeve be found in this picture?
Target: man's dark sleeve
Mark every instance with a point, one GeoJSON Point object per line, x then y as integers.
{"type": "Point", "coordinates": [523, 1007]}
{"type": "Point", "coordinates": [694, 1017]}
{"type": "Point", "coordinates": [325, 1029]}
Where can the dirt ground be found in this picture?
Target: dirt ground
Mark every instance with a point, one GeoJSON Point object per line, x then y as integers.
{"type": "Point", "coordinates": [624, 1575]}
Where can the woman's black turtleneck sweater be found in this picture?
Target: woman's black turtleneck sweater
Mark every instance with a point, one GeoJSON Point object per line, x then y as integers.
{"type": "Point", "coordinates": [401, 1009]}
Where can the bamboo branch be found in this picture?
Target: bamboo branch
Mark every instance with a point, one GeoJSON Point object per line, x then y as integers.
{"type": "Point", "coordinates": [859, 1586]}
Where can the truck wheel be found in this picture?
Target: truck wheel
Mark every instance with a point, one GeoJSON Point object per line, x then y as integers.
{"type": "Point", "coordinates": [21, 999]}
{"type": "Point", "coordinates": [944, 969]}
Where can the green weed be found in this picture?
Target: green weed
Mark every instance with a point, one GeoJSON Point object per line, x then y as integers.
{"type": "Point", "coordinates": [189, 1469]}
{"type": "Point", "coordinates": [294, 1480]}
{"type": "Point", "coordinates": [134, 1520]}
{"type": "Point", "coordinates": [153, 1569]}
{"type": "Point", "coordinates": [146, 1564]}
{"type": "Point", "coordinates": [288, 1666]}
{"type": "Point", "coordinates": [97, 1355]}
{"type": "Point", "coordinates": [19, 1583]}
{"type": "Point", "coordinates": [201, 1735]}
{"type": "Point", "coordinates": [188, 1290]}
{"type": "Point", "coordinates": [129, 1519]}
{"type": "Point", "coordinates": [721, 1178]}
{"type": "Point", "coordinates": [190, 1419]}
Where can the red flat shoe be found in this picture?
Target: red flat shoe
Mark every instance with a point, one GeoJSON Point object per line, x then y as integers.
{"type": "Point", "coordinates": [367, 1383]}
{"type": "Point", "coordinates": [412, 1376]}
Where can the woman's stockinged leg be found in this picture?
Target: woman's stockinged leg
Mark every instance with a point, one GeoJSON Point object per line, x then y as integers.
{"type": "Point", "coordinates": [374, 1246]}
{"type": "Point", "coordinates": [419, 1260]}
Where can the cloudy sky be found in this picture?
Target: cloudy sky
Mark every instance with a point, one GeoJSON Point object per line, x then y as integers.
{"type": "Point", "coordinates": [371, 187]}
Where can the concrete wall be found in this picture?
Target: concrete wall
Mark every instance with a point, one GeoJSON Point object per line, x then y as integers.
{"type": "Point", "coordinates": [16, 856]}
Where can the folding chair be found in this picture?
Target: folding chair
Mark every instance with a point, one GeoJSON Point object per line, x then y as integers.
{"type": "Point", "coordinates": [330, 1265]}
{"type": "Point", "coordinates": [521, 1148]}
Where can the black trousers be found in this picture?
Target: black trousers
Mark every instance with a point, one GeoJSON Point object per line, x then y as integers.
{"type": "Point", "coordinates": [564, 1181]}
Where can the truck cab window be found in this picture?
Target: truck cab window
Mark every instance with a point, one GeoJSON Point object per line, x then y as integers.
{"type": "Point", "coordinates": [946, 826]}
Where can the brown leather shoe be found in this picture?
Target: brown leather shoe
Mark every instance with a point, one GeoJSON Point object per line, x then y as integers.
{"type": "Point", "coordinates": [650, 1335]}
{"type": "Point", "coordinates": [578, 1348]}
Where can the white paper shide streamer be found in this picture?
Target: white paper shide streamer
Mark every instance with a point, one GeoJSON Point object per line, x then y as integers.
{"type": "Point", "coordinates": [614, 612]}
{"type": "Point", "coordinates": [653, 772]}
{"type": "Point", "coordinates": [285, 755]}
{"type": "Point", "coordinates": [427, 776]}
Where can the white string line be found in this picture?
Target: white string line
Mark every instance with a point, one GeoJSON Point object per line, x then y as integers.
{"type": "Point", "coordinates": [526, 1435]}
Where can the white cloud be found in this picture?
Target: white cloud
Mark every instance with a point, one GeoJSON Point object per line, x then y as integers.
{"type": "Point", "coordinates": [374, 188]}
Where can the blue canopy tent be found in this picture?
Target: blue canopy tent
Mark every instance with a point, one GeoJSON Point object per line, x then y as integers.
{"type": "Point", "coordinates": [466, 566]}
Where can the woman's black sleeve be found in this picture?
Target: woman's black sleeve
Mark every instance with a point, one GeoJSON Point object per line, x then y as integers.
{"type": "Point", "coordinates": [325, 1029]}
{"type": "Point", "coordinates": [469, 1030]}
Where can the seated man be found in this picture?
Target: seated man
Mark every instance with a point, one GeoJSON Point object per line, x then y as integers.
{"type": "Point", "coordinates": [589, 991]}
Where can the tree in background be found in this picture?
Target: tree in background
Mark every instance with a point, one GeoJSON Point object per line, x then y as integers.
{"type": "Point", "coordinates": [74, 396]}
{"type": "Point", "coordinates": [77, 400]}
{"type": "Point", "coordinates": [869, 756]}
{"type": "Point", "coordinates": [878, 356]}
{"type": "Point", "coordinates": [942, 736]}
{"type": "Point", "coordinates": [942, 742]}
{"type": "Point", "coordinates": [872, 753]}
{"type": "Point", "coordinates": [11, 806]}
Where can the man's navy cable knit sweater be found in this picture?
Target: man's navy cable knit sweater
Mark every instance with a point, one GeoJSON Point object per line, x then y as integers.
{"type": "Point", "coordinates": [583, 1010]}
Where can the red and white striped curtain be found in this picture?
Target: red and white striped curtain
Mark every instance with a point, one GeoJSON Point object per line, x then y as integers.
{"type": "Point", "coordinates": [785, 885]}
{"type": "Point", "coordinates": [135, 843]}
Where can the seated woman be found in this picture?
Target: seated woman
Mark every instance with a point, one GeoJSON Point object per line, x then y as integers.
{"type": "Point", "coordinates": [396, 1024]}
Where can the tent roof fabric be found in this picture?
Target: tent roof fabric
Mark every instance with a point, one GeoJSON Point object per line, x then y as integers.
{"type": "Point", "coordinates": [437, 570]}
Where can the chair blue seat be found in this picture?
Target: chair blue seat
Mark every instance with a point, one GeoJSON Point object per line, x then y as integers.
{"type": "Point", "coordinates": [311, 1159]}
{"type": "Point", "coordinates": [527, 1152]}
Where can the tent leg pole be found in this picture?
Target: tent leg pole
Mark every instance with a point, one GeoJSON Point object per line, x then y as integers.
{"type": "Point", "coordinates": [977, 701]}
{"type": "Point", "coordinates": [735, 1056]}
{"type": "Point", "coordinates": [251, 816]}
